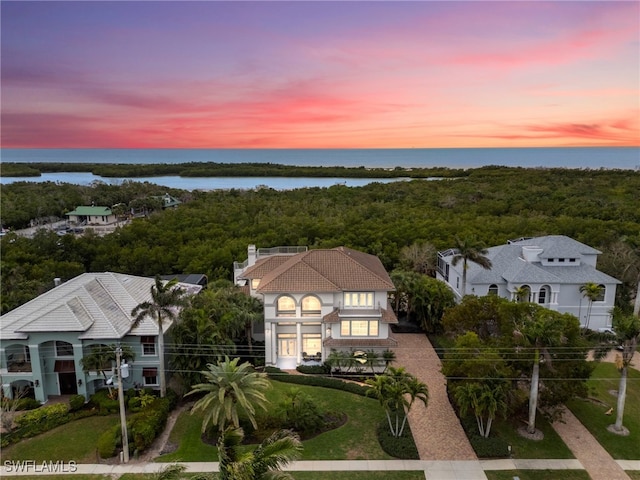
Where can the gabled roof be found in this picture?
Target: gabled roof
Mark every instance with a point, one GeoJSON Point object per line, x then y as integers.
{"type": "Point", "coordinates": [84, 211]}
{"type": "Point", "coordinates": [334, 270]}
{"type": "Point", "coordinates": [96, 305]}
{"type": "Point", "coordinates": [264, 266]}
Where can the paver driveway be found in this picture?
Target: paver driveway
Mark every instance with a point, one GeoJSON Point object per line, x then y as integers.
{"type": "Point", "coordinates": [436, 429]}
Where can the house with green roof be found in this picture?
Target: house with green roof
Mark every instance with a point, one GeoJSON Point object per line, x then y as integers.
{"type": "Point", "coordinates": [92, 215]}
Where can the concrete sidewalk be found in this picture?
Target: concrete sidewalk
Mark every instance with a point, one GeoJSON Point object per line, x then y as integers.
{"type": "Point", "coordinates": [441, 470]}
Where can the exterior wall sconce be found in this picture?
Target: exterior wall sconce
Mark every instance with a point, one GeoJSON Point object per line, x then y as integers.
{"type": "Point", "coordinates": [37, 383]}
{"type": "Point", "coordinates": [328, 331]}
{"type": "Point", "coordinates": [79, 382]}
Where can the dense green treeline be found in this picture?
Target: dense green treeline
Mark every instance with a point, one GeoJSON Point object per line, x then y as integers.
{"type": "Point", "coordinates": [212, 169]}
{"type": "Point", "coordinates": [212, 229]}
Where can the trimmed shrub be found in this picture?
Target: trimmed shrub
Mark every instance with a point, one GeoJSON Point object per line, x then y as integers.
{"type": "Point", "coordinates": [105, 404]}
{"type": "Point", "coordinates": [109, 441]}
{"type": "Point", "coordinates": [28, 404]}
{"type": "Point", "coordinates": [327, 382]}
{"type": "Point", "coordinates": [400, 447]}
{"type": "Point", "coordinates": [143, 427]}
{"type": "Point", "coordinates": [299, 412]}
{"type": "Point", "coordinates": [55, 414]}
{"type": "Point", "coordinates": [76, 402]}
{"type": "Point", "coordinates": [324, 369]}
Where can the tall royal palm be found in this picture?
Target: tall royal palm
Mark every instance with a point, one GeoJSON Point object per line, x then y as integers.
{"type": "Point", "coordinates": [164, 303]}
{"type": "Point", "coordinates": [229, 389]}
{"type": "Point", "coordinates": [469, 250]}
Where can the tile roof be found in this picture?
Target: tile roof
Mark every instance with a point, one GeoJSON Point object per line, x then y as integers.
{"type": "Point", "coordinates": [96, 305]}
{"type": "Point", "coordinates": [335, 270]}
{"type": "Point", "coordinates": [361, 342]}
{"type": "Point", "coordinates": [386, 315]}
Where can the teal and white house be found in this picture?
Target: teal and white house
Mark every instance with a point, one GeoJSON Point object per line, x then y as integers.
{"type": "Point", "coordinates": [546, 270]}
{"type": "Point", "coordinates": [43, 341]}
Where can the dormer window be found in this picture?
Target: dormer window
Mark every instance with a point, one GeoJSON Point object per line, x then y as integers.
{"type": "Point", "coordinates": [572, 260]}
{"type": "Point", "coordinates": [551, 260]}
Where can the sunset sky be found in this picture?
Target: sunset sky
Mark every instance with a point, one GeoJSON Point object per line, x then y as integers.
{"type": "Point", "coordinates": [326, 74]}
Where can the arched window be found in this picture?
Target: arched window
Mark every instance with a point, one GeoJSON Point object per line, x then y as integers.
{"type": "Point", "coordinates": [523, 293]}
{"type": "Point", "coordinates": [493, 289]}
{"type": "Point", "coordinates": [64, 349]}
{"type": "Point", "coordinates": [286, 307]}
{"type": "Point", "coordinates": [603, 290]}
{"type": "Point", "coordinates": [544, 294]}
{"type": "Point", "coordinates": [311, 306]}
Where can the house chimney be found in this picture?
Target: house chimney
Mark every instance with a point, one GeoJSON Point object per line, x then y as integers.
{"type": "Point", "coordinates": [57, 281]}
{"type": "Point", "coordinates": [252, 255]}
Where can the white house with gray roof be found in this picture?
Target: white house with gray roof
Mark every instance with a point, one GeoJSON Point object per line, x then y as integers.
{"type": "Point", "coordinates": [316, 301]}
{"type": "Point", "coordinates": [43, 341]}
{"type": "Point", "coordinates": [545, 270]}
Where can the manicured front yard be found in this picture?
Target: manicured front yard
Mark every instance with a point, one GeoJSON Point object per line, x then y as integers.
{"type": "Point", "coordinates": [551, 446]}
{"type": "Point", "coordinates": [356, 440]}
{"type": "Point", "coordinates": [605, 379]}
{"type": "Point", "coordinates": [73, 441]}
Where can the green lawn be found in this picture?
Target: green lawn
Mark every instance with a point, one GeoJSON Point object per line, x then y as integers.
{"type": "Point", "coordinates": [356, 440]}
{"type": "Point", "coordinates": [605, 378]}
{"type": "Point", "coordinates": [538, 474]}
{"type": "Point", "coordinates": [551, 446]}
{"type": "Point", "coordinates": [73, 441]}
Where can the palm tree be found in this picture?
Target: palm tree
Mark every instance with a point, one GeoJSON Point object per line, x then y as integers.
{"type": "Point", "coordinates": [265, 462]}
{"type": "Point", "coordinates": [591, 291]}
{"type": "Point", "coordinates": [469, 250]}
{"type": "Point", "coordinates": [101, 358]}
{"type": "Point", "coordinates": [230, 388]}
{"type": "Point", "coordinates": [539, 332]}
{"type": "Point", "coordinates": [627, 328]}
{"type": "Point", "coordinates": [484, 400]}
{"type": "Point", "coordinates": [397, 391]}
{"type": "Point", "coordinates": [165, 298]}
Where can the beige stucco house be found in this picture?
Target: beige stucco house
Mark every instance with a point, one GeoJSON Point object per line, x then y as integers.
{"type": "Point", "coordinates": [318, 300]}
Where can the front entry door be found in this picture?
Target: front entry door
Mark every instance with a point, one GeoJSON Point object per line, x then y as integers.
{"type": "Point", "coordinates": [68, 383]}
{"type": "Point", "coordinates": [287, 347]}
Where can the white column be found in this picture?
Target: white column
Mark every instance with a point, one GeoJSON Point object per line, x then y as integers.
{"type": "Point", "coordinates": [298, 343]}
{"type": "Point", "coordinates": [274, 344]}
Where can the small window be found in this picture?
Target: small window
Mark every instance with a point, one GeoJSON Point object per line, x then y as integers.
{"type": "Point", "coordinates": [64, 349]}
{"type": "Point", "coordinates": [310, 306]}
{"type": "Point", "coordinates": [603, 290]}
{"type": "Point", "coordinates": [572, 260]}
{"type": "Point", "coordinates": [150, 376]}
{"type": "Point", "coordinates": [358, 299]}
{"type": "Point", "coordinates": [493, 289]}
{"type": "Point", "coordinates": [561, 260]}
{"type": "Point", "coordinates": [551, 260]}
{"type": "Point", "coordinates": [148, 345]}
{"type": "Point", "coordinates": [286, 307]}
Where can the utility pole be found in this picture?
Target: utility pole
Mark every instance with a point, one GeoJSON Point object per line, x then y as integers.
{"type": "Point", "coordinates": [123, 416]}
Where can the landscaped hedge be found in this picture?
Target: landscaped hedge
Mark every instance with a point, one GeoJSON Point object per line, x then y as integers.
{"type": "Point", "coordinates": [37, 421]}
{"type": "Point", "coordinates": [400, 447]}
{"type": "Point", "coordinates": [142, 427]}
{"type": "Point", "coordinates": [76, 402]}
{"type": "Point", "coordinates": [324, 369]}
{"type": "Point", "coordinates": [316, 381]}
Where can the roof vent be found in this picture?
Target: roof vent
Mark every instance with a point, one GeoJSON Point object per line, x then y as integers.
{"type": "Point", "coordinates": [57, 281]}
